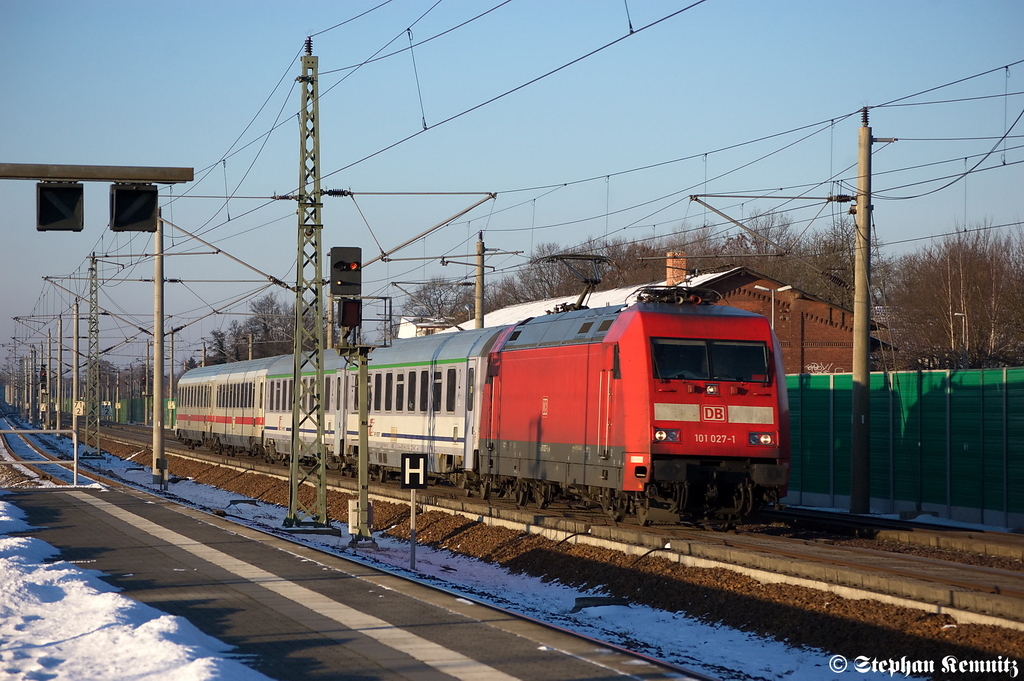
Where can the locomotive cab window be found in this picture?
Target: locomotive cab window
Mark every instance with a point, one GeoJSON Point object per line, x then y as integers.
{"type": "Point", "coordinates": [740, 361]}
{"type": "Point", "coordinates": [700, 360]}
{"type": "Point", "coordinates": [679, 358]}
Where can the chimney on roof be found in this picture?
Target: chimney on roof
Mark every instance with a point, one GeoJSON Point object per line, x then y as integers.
{"type": "Point", "coordinates": [675, 268]}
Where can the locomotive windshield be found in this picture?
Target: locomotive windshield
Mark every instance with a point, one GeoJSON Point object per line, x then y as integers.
{"type": "Point", "coordinates": [719, 360]}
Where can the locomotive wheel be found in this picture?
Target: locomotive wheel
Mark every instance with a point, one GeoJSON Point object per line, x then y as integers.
{"type": "Point", "coordinates": [522, 494]}
{"type": "Point", "coordinates": [614, 506]}
{"type": "Point", "coordinates": [543, 494]}
{"type": "Point", "coordinates": [642, 508]}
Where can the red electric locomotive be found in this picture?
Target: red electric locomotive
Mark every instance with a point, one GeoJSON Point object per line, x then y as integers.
{"type": "Point", "coordinates": [668, 408]}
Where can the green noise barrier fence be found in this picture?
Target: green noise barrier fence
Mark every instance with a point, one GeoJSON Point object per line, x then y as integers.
{"type": "Point", "coordinates": [947, 443]}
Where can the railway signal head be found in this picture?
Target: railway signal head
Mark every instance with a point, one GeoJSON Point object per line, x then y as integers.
{"type": "Point", "coordinates": [346, 271]}
{"type": "Point", "coordinates": [350, 312]}
{"type": "Point", "coordinates": [59, 206]}
{"type": "Point", "coordinates": [133, 207]}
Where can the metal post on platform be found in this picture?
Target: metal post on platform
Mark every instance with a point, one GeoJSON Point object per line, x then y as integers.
{"type": "Point", "coordinates": [363, 529]}
{"type": "Point", "coordinates": [412, 529]}
{"type": "Point", "coordinates": [74, 375]}
{"type": "Point", "coordinates": [159, 459]}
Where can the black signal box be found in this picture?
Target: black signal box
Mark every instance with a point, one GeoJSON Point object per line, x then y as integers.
{"type": "Point", "coordinates": [133, 207]}
{"type": "Point", "coordinates": [346, 271]}
{"type": "Point", "coordinates": [59, 206]}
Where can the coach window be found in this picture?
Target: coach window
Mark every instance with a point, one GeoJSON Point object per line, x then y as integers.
{"type": "Point", "coordinates": [389, 389]}
{"type": "Point", "coordinates": [424, 391]}
{"type": "Point", "coordinates": [412, 391]}
{"type": "Point", "coordinates": [400, 391]}
{"type": "Point", "coordinates": [327, 393]}
{"type": "Point", "coordinates": [470, 389]}
{"type": "Point", "coordinates": [450, 379]}
{"type": "Point", "coordinates": [435, 393]}
{"type": "Point", "coordinates": [377, 380]}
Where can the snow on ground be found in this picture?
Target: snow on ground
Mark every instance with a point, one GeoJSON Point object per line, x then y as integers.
{"type": "Point", "coordinates": [61, 622]}
{"type": "Point", "coordinates": [58, 621]}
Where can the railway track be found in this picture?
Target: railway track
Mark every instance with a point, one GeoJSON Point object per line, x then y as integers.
{"type": "Point", "coordinates": [991, 594]}
{"type": "Point", "coordinates": [991, 543]}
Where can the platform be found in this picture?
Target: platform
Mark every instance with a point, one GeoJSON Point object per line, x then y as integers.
{"type": "Point", "coordinates": [294, 613]}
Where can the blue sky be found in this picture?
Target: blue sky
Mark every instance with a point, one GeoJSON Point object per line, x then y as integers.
{"type": "Point", "coordinates": [211, 86]}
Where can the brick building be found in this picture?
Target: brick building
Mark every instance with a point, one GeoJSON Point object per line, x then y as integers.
{"type": "Point", "coordinates": [816, 336]}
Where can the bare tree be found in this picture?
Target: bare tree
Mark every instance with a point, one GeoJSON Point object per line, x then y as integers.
{"type": "Point", "coordinates": [441, 299]}
{"type": "Point", "coordinates": [958, 301]}
{"type": "Point", "coordinates": [271, 326]}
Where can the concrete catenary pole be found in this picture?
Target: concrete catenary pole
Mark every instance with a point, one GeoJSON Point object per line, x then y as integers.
{"type": "Point", "coordinates": [860, 440]}
{"type": "Point", "coordinates": [478, 311]}
{"type": "Point", "coordinates": [860, 471]}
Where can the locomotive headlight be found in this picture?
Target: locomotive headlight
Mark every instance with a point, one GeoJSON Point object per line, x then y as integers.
{"type": "Point", "coordinates": [762, 439]}
{"type": "Point", "coordinates": [713, 389]}
{"type": "Point", "coordinates": [666, 435]}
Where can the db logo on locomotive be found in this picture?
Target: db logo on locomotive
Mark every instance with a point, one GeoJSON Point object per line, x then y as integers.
{"type": "Point", "coordinates": [712, 412]}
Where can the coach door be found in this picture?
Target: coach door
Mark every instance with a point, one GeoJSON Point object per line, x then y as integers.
{"type": "Point", "coordinates": [473, 381]}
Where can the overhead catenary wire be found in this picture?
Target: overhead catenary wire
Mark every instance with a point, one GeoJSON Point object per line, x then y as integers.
{"type": "Point", "coordinates": [1004, 138]}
